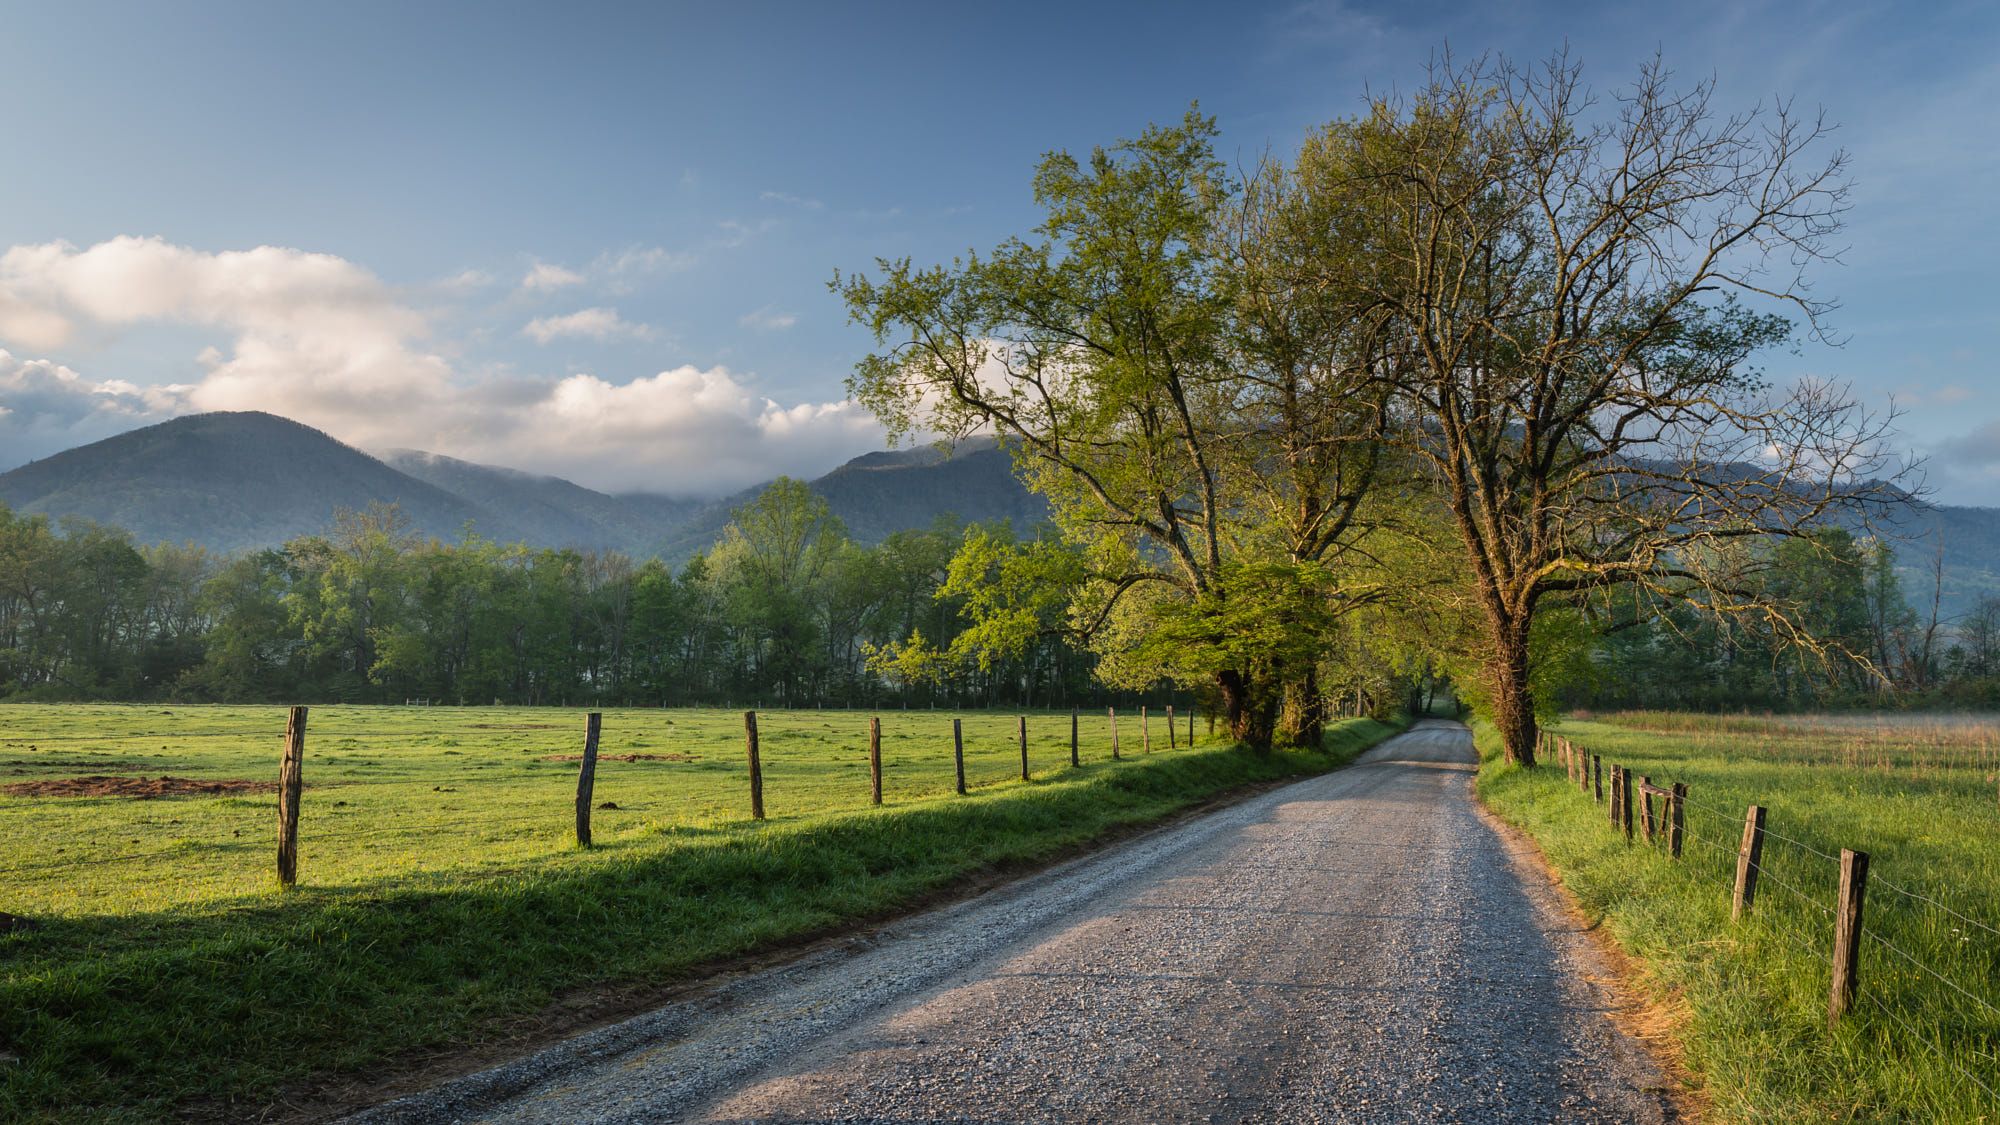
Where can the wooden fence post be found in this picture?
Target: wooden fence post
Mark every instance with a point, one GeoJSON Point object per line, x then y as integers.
{"type": "Point", "coordinates": [1597, 776]}
{"type": "Point", "coordinates": [1074, 760]}
{"type": "Point", "coordinates": [1112, 714]}
{"type": "Point", "coordinates": [958, 753]}
{"type": "Point", "coordinates": [1748, 856]}
{"type": "Point", "coordinates": [756, 766]}
{"type": "Point", "coordinates": [1625, 800]}
{"type": "Point", "coordinates": [1191, 729]}
{"type": "Point", "coordinates": [1847, 933]}
{"type": "Point", "coordinates": [1024, 747]}
{"type": "Point", "coordinates": [1646, 806]}
{"type": "Point", "coordinates": [586, 777]}
{"type": "Point", "coordinates": [1145, 731]}
{"type": "Point", "coordinates": [291, 782]}
{"type": "Point", "coordinates": [1676, 822]}
{"type": "Point", "coordinates": [1172, 743]}
{"type": "Point", "coordinates": [1611, 806]}
{"type": "Point", "coordinates": [875, 759]}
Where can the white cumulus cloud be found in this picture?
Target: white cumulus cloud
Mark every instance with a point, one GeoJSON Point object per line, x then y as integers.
{"type": "Point", "coordinates": [546, 277]}
{"type": "Point", "coordinates": [590, 324]}
{"type": "Point", "coordinates": [320, 339]}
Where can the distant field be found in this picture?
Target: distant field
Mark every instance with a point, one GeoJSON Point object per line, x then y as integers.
{"type": "Point", "coordinates": [441, 898]}
{"type": "Point", "coordinates": [395, 791]}
{"type": "Point", "coordinates": [1919, 793]}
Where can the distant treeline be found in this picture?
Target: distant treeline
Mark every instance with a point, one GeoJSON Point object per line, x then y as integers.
{"type": "Point", "coordinates": [1863, 645]}
{"type": "Point", "coordinates": [785, 610]}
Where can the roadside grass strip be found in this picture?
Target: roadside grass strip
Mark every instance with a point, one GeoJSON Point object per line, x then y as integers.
{"type": "Point", "coordinates": [1922, 1041]}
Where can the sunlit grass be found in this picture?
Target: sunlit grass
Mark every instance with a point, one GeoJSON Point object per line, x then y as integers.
{"type": "Point", "coordinates": [441, 894]}
{"type": "Point", "coordinates": [1913, 794]}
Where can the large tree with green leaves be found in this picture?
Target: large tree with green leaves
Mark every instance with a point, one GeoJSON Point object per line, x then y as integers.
{"type": "Point", "coordinates": [1195, 415]}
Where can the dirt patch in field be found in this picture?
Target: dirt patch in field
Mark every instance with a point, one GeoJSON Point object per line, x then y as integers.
{"type": "Point", "coordinates": [137, 788]}
{"type": "Point", "coordinates": [623, 757]}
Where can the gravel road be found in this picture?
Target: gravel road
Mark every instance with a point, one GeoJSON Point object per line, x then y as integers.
{"type": "Point", "coordinates": [1360, 946]}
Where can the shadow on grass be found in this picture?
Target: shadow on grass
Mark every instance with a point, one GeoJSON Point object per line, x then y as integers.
{"type": "Point", "coordinates": [116, 1017]}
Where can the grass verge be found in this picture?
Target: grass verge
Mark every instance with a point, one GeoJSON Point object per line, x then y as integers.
{"type": "Point", "coordinates": [1752, 995]}
{"type": "Point", "coordinates": [221, 1004]}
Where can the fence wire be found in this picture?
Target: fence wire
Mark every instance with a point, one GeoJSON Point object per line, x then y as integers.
{"type": "Point", "coordinates": [1701, 838]}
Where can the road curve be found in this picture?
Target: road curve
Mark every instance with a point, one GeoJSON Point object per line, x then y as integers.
{"type": "Point", "coordinates": [1359, 946]}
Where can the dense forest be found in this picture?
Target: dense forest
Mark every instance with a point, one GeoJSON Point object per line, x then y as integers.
{"type": "Point", "coordinates": [786, 610]}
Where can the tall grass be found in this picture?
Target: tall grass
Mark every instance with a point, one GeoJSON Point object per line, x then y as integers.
{"type": "Point", "coordinates": [1926, 1034]}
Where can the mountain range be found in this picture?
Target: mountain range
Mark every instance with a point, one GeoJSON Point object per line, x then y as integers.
{"type": "Point", "coordinates": [241, 481]}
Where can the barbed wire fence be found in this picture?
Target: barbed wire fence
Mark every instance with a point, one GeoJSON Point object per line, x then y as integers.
{"type": "Point", "coordinates": [1935, 972]}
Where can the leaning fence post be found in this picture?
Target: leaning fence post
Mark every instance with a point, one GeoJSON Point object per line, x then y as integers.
{"type": "Point", "coordinates": [756, 766]}
{"type": "Point", "coordinates": [958, 753]}
{"type": "Point", "coordinates": [1847, 933]}
{"type": "Point", "coordinates": [1112, 714]}
{"type": "Point", "coordinates": [1024, 747]}
{"type": "Point", "coordinates": [1074, 760]}
{"type": "Point", "coordinates": [1748, 856]}
{"type": "Point", "coordinates": [586, 777]}
{"type": "Point", "coordinates": [875, 759]}
{"type": "Point", "coordinates": [1172, 743]}
{"type": "Point", "coordinates": [1676, 824]}
{"type": "Point", "coordinates": [291, 781]}
{"type": "Point", "coordinates": [1646, 806]}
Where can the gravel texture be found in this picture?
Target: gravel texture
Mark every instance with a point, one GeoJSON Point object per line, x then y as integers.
{"type": "Point", "coordinates": [1360, 946]}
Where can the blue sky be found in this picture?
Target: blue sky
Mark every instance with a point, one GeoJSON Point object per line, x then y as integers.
{"type": "Point", "coordinates": [594, 239]}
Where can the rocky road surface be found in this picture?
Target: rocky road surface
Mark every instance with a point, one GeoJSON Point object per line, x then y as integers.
{"type": "Point", "coordinates": [1361, 946]}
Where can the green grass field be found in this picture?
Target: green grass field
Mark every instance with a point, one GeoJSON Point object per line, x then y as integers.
{"type": "Point", "coordinates": [1918, 794]}
{"type": "Point", "coordinates": [441, 896]}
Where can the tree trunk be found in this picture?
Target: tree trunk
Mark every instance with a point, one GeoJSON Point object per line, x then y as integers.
{"type": "Point", "coordinates": [1513, 699]}
{"type": "Point", "coordinates": [1302, 720]}
{"type": "Point", "coordinates": [1250, 719]}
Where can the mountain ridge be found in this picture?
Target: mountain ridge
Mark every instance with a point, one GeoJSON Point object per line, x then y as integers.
{"type": "Point", "coordinates": [245, 480]}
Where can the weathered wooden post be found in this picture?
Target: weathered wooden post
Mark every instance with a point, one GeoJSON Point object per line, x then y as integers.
{"type": "Point", "coordinates": [875, 759]}
{"type": "Point", "coordinates": [291, 782]}
{"type": "Point", "coordinates": [1172, 743]}
{"type": "Point", "coordinates": [586, 777]}
{"type": "Point", "coordinates": [1145, 731]}
{"type": "Point", "coordinates": [1597, 776]}
{"type": "Point", "coordinates": [1646, 807]}
{"type": "Point", "coordinates": [1024, 747]}
{"type": "Point", "coordinates": [1074, 759]}
{"type": "Point", "coordinates": [958, 753]}
{"type": "Point", "coordinates": [1676, 824]}
{"type": "Point", "coordinates": [1611, 806]}
{"type": "Point", "coordinates": [1847, 933]}
{"type": "Point", "coordinates": [1748, 856]}
{"type": "Point", "coordinates": [1625, 800]}
{"type": "Point", "coordinates": [1112, 714]}
{"type": "Point", "coordinates": [756, 766]}
{"type": "Point", "coordinates": [1211, 728]}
